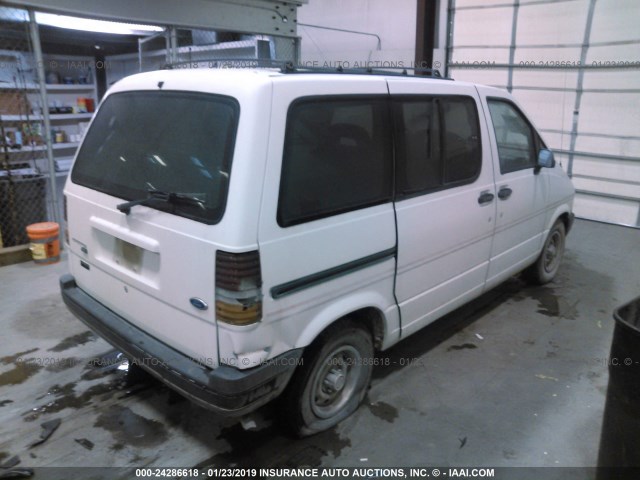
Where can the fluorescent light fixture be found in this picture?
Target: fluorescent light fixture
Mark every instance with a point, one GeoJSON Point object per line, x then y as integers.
{"type": "Point", "coordinates": [89, 25]}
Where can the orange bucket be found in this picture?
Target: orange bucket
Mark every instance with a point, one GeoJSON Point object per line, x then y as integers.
{"type": "Point", "coordinates": [45, 243]}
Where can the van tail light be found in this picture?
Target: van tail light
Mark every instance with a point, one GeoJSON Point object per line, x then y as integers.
{"type": "Point", "coordinates": [238, 287]}
{"type": "Point", "coordinates": [65, 216]}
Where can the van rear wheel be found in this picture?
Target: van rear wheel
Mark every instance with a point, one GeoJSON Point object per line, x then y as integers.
{"type": "Point", "coordinates": [332, 381]}
{"type": "Point", "coordinates": [548, 263]}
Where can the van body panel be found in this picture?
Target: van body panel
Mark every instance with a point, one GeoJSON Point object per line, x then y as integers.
{"type": "Point", "coordinates": [561, 192]}
{"type": "Point", "coordinates": [520, 223]}
{"type": "Point", "coordinates": [520, 219]}
{"type": "Point", "coordinates": [291, 329]}
{"type": "Point", "coordinates": [319, 245]}
{"type": "Point", "coordinates": [444, 237]}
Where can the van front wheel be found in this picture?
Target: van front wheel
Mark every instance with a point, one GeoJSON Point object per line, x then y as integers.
{"type": "Point", "coordinates": [332, 381]}
{"type": "Point", "coordinates": [548, 263]}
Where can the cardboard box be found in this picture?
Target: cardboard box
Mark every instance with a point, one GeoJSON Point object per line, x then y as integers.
{"type": "Point", "coordinates": [14, 102]}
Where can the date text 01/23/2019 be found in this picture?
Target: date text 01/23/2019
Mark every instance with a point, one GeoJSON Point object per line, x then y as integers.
{"type": "Point", "coordinates": [322, 473]}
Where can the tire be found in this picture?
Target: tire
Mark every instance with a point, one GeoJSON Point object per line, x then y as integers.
{"type": "Point", "coordinates": [548, 263]}
{"type": "Point", "coordinates": [333, 380]}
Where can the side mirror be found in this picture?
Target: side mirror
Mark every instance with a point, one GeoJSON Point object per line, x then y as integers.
{"type": "Point", "coordinates": [545, 160]}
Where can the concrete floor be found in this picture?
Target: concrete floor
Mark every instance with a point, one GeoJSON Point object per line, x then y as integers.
{"type": "Point", "coordinates": [516, 378]}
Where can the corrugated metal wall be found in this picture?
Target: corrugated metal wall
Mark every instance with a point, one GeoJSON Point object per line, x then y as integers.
{"type": "Point", "coordinates": [575, 65]}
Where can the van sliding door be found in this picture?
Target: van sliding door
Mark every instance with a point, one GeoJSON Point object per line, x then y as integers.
{"type": "Point", "coordinates": [445, 198]}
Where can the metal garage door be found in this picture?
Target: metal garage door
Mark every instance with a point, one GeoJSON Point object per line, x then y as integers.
{"type": "Point", "coordinates": [575, 65]}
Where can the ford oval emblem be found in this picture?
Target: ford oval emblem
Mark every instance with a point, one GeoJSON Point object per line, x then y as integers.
{"type": "Point", "coordinates": [199, 303]}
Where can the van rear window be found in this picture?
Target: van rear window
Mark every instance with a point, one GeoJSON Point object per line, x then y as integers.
{"type": "Point", "coordinates": [166, 141]}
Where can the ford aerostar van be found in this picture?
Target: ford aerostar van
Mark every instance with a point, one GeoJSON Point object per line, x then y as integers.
{"type": "Point", "coordinates": [244, 234]}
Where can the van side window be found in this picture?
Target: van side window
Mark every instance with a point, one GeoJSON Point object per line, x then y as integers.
{"type": "Point", "coordinates": [337, 158]}
{"type": "Point", "coordinates": [514, 136]}
{"type": "Point", "coordinates": [461, 146]}
{"type": "Point", "coordinates": [438, 143]}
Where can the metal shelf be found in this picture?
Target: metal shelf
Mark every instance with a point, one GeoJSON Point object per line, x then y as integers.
{"type": "Point", "coordinates": [52, 116]}
{"type": "Point", "coordinates": [40, 148]}
{"type": "Point", "coordinates": [80, 87]}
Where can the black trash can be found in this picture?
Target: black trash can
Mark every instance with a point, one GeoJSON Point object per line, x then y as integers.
{"type": "Point", "coordinates": [620, 438]}
{"type": "Point", "coordinates": [22, 202]}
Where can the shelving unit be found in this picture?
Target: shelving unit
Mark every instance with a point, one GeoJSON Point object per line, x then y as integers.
{"type": "Point", "coordinates": [52, 117]}
{"type": "Point", "coordinates": [72, 125]}
{"type": "Point", "coordinates": [123, 65]}
{"type": "Point", "coordinates": [25, 157]}
{"type": "Point", "coordinates": [51, 87]}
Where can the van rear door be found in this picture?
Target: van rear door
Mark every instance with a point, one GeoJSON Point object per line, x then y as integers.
{"type": "Point", "coordinates": [145, 197]}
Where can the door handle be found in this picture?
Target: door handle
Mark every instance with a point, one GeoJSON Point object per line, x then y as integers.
{"type": "Point", "coordinates": [485, 198]}
{"type": "Point", "coordinates": [504, 193]}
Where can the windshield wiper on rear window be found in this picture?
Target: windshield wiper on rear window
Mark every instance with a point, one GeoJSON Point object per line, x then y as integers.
{"type": "Point", "coordinates": [159, 195]}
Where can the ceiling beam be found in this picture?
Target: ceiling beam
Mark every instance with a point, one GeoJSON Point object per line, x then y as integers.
{"type": "Point", "coordinates": [267, 17]}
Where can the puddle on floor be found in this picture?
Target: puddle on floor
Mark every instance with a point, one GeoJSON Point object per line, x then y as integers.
{"type": "Point", "coordinates": [274, 447]}
{"type": "Point", "coordinates": [128, 380]}
{"type": "Point", "coordinates": [19, 373]}
{"type": "Point", "coordinates": [552, 349]}
{"type": "Point", "coordinates": [12, 358]}
{"type": "Point", "coordinates": [110, 362]}
{"type": "Point", "coordinates": [129, 428]}
{"type": "Point", "coordinates": [383, 410]}
{"type": "Point", "coordinates": [74, 341]}
{"type": "Point", "coordinates": [23, 368]}
{"type": "Point", "coordinates": [62, 364]}
{"type": "Point", "coordinates": [57, 390]}
{"type": "Point", "coordinates": [45, 318]}
{"type": "Point", "coordinates": [561, 297]}
{"type": "Point", "coordinates": [86, 443]}
{"type": "Point", "coordinates": [116, 447]}
{"type": "Point", "coordinates": [67, 398]}
{"type": "Point", "coordinates": [550, 303]}
{"type": "Point", "coordinates": [464, 346]}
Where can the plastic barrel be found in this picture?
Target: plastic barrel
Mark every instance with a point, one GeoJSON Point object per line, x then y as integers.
{"type": "Point", "coordinates": [45, 243]}
{"type": "Point", "coordinates": [620, 438]}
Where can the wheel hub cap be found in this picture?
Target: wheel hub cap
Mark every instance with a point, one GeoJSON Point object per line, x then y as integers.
{"type": "Point", "coordinates": [335, 380]}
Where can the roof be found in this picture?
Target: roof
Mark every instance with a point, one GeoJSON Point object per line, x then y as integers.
{"type": "Point", "coordinates": [212, 78]}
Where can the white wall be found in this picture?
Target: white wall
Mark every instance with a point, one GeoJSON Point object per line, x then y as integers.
{"type": "Point", "coordinates": [393, 21]}
{"type": "Point", "coordinates": [595, 110]}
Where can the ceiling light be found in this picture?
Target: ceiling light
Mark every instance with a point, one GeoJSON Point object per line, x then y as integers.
{"type": "Point", "coordinates": [89, 25]}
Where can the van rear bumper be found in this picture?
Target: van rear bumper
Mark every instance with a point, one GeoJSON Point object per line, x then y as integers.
{"type": "Point", "coordinates": [225, 390]}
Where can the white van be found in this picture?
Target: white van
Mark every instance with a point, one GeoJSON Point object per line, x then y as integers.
{"type": "Point", "coordinates": [247, 233]}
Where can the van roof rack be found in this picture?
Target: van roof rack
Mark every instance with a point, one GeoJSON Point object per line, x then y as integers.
{"type": "Point", "coordinates": [289, 67]}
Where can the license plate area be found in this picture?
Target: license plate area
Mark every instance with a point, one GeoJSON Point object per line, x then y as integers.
{"type": "Point", "coordinates": [128, 255]}
{"type": "Point", "coordinates": [126, 260]}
